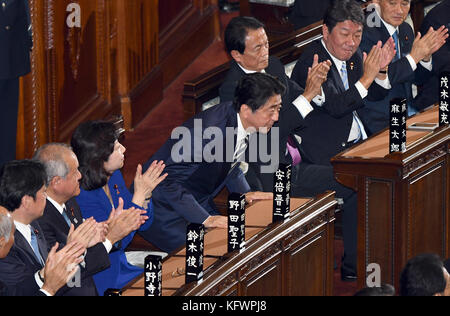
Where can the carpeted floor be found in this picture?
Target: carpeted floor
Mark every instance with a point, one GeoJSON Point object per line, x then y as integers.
{"type": "Point", "coordinates": [152, 132]}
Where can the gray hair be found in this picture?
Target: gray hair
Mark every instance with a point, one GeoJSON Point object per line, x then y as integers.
{"type": "Point", "coordinates": [5, 226]}
{"type": "Point", "coordinates": [51, 156]}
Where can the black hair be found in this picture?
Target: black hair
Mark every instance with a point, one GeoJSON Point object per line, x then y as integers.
{"type": "Point", "coordinates": [423, 275]}
{"type": "Point", "coordinates": [341, 11]}
{"type": "Point", "coordinates": [237, 31]}
{"type": "Point", "coordinates": [382, 290]}
{"type": "Point", "coordinates": [93, 143]}
{"type": "Point", "coordinates": [18, 179]}
{"type": "Point", "coordinates": [255, 89]}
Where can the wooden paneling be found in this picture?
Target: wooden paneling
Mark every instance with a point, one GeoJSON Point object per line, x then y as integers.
{"type": "Point", "coordinates": [378, 226]}
{"type": "Point", "coordinates": [427, 211]}
{"type": "Point", "coordinates": [403, 198]}
{"type": "Point", "coordinates": [308, 265]}
{"type": "Point", "coordinates": [111, 64]}
{"type": "Point", "coordinates": [190, 26]}
{"type": "Point", "coordinates": [264, 281]}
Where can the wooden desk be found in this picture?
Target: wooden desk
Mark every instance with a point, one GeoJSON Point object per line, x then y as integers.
{"type": "Point", "coordinates": [290, 258]}
{"type": "Point", "coordinates": [403, 198]}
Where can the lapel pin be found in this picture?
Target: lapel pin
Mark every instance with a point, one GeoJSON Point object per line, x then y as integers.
{"type": "Point", "coordinates": [352, 65]}
{"type": "Point", "coordinates": [116, 187]}
{"type": "Point", "coordinates": [73, 215]}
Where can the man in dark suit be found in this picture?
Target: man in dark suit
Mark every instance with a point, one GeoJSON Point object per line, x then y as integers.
{"type": "Point", "coordinates": [411, 65]}
{"type": "Point", "coordinates": [336, 124]}
{"type": "Point", "coordinates": [246, 42]}
{"type": "Point", "coordinates": [207, 157]}
{"type": "Point", "coordinates": [306, 12]}
{"type": "Point", "coordinates": [62, 221]}
{"type": "Point", "coordinates": [15, 45]}
{"type": "Point", "coordinates": [428, 93]}
{"type": "Point", "coordinates": [26, 267]}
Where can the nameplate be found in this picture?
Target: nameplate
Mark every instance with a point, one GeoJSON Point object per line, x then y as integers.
{"type": "Point", "coordinates": [444, 110]}
{"type": "Point", "coordinates": [236, 222]}
{"type": "Point", "coordinates": [397, 126]}
{"type": "Point", "coordinates": [153, 275]}
{"type": "Point", "coordinates": [282, 193]}
{"type": "Point", "coordinates": [195, 237]}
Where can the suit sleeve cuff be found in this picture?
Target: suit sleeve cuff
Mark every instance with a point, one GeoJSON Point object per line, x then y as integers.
{"type": "Point", "coordinates": [361, 89]}
{"type": "Point", "coordinates": [108, 245]}
{"type": "Point", "coordinates": [411, 62]}
{"type": "Point", "coordinates": [303, 106]}
{"type": "Point", "coordinates": [386, 83]}
{"type": "Point", "coordinates": [38, 280]}
{"type": "Point", "coordinates": [45, 292]}
{"type": "Point", "coordinates": [428, 65]}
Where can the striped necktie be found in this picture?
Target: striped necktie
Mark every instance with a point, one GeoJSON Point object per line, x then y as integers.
{"type": "Point", "coordinates": [361, 132]}
{"type": "Point", "coordinates": [239, 155]}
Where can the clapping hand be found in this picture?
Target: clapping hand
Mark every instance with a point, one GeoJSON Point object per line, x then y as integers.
{"type": "Point", "coordinates": [317, 75]}
{"type": "Point", "coordinates": [145, 183]}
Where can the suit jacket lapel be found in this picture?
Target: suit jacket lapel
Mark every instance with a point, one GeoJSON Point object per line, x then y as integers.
{"type": "Point", "coordinates": [405, 41]}
{"type": "Point", "coordinates": [42, 243]}
{"type": "Point", "coordinates": [75, 212]}
{"type": "Point", "coordinates": [21, 243]}
{"type": "Point", "coordinates": [56, 216]}
{"type": "Point", "coordinates": [334, 72]}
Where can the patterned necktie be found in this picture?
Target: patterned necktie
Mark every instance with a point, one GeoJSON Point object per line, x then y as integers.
{"type": "Point", "coordinates": [344, 75]}
{"type": "Point", "coordinates": [35, 247]}
{"type": "Point", "coordinates": [361, 132]}
{"type": "Point", "coordinates": [240, 152]}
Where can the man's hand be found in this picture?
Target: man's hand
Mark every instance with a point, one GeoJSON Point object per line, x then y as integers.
{"type": "Point", "coordinates": [122, 222]}
{"type": "Point", "coordinates": [86, 234]}
{"type": "Point", "coordinates": [216, 222]}
{"type": "Point", "coordinates": [425, 46]}
{"type": "Point", "coordinates": [61, 266]}
{"type": "Point", "coordinates": [372, 63]}
{"type": "Point", "coordinates": [387, 53]}
{"type": "Point", "coordinates": [251, 197]}
{"type": "Point", "coordinates": [317, 75]}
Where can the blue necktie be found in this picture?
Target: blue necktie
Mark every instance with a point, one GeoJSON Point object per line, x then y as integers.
{"type": "Point", "coordinates": [66, 217]}
{"type": "Point", "coordinates": [35, 247]}
{"type": "Point", "coordinates": [397, 46]}
{"type": "Point", "coordinates": [344, 75]}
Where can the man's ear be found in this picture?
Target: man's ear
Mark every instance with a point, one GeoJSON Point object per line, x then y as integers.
{"type": "Point", "coordinates": [325, 32]}
{"type": "Point", "coordinates": [236, 56]}
{"type": "Point", "coordinates": [54, 181]}
{"type": "Point", "coordinates": [245, 111]}
{"type": "Point", "coordinates": [26, 201]}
